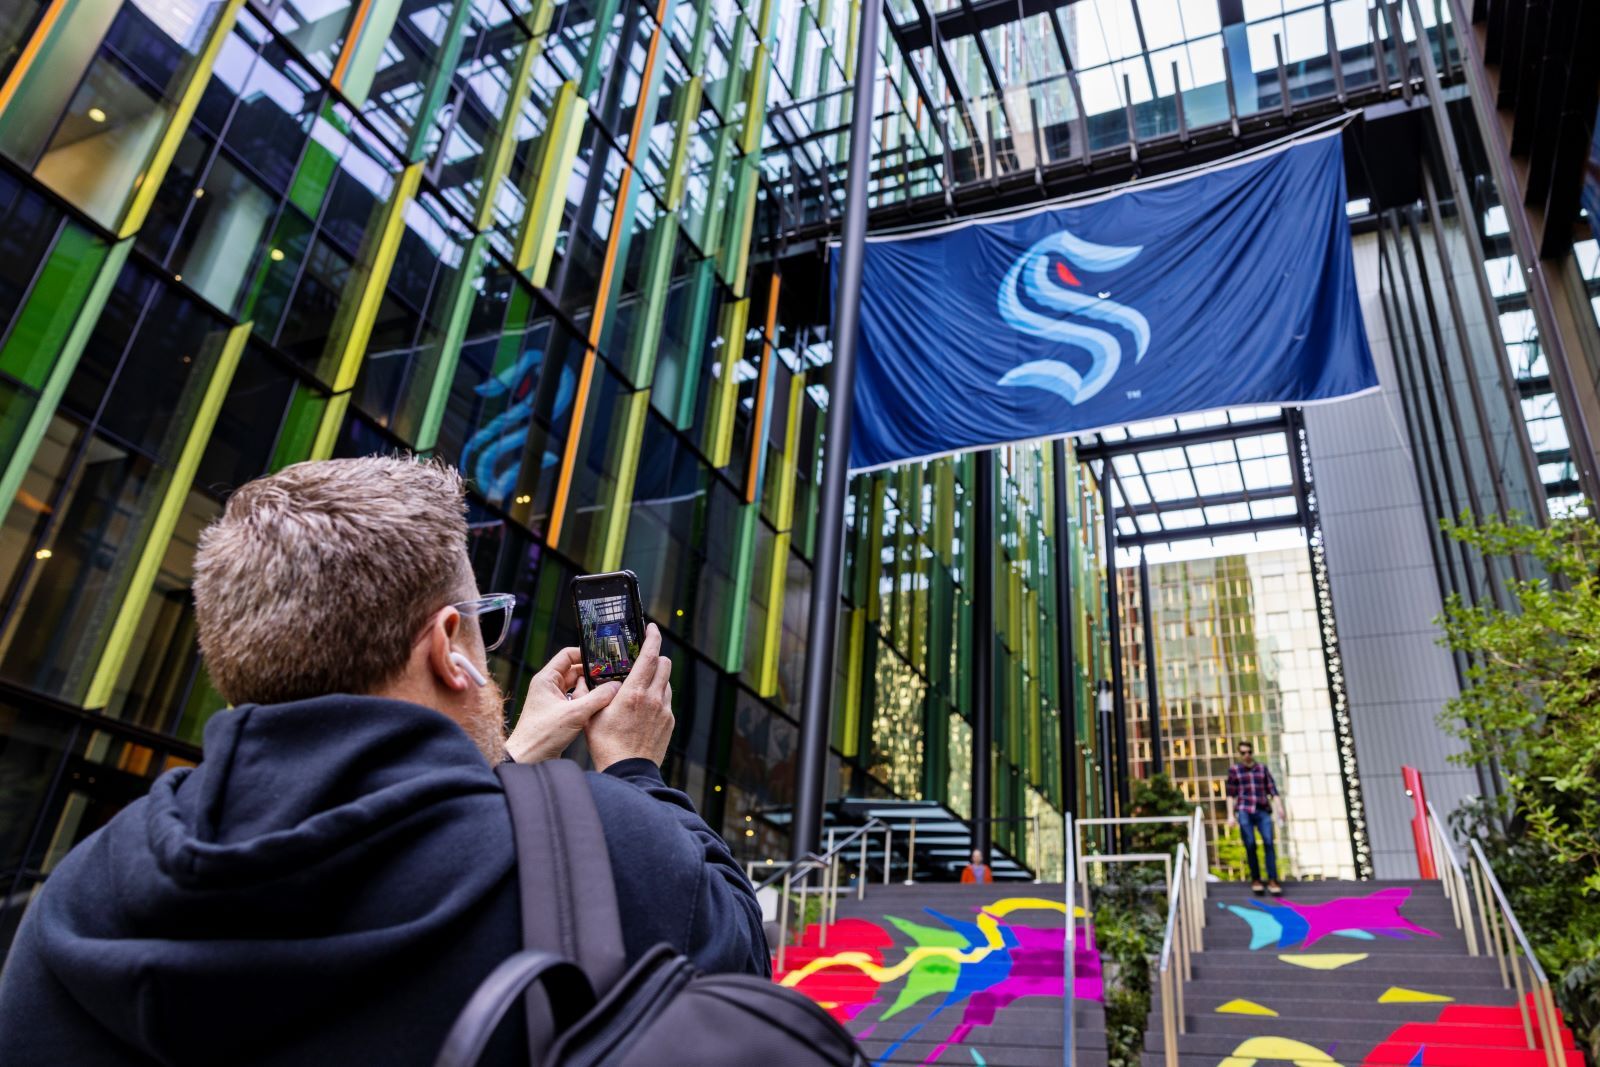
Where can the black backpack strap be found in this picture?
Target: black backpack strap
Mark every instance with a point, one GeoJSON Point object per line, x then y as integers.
{"type": "Point", "coordinates": [567, 997]}
{"type": "Point", "coordinates": [569, 903]}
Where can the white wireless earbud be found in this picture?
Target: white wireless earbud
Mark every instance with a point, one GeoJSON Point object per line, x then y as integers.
{"type": "Point", "coordinates": [472, 671]}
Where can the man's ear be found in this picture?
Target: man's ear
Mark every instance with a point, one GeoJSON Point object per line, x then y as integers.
{"type": "Point", "coordinates": [441, 642]}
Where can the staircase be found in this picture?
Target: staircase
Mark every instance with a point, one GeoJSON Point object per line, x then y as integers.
{"type": "Point", "coordinates": [953, 974]}
{"type": "Point", "coordinates": [1342, 974]}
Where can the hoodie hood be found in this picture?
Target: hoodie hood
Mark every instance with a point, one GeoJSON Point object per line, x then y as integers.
{"type": "Point", "coordinates": [182, 926]}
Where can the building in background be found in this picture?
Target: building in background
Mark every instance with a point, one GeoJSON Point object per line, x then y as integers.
{"type": "Point", "coordinates": [541, 243]}
{"type": "Point", "coordinates": [575, 249]}
{"type": "Point", "coordinates": [1239, 657]}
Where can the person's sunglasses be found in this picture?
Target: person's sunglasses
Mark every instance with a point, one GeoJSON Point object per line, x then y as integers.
{"type": "Point", "coordinates": [493, 613]}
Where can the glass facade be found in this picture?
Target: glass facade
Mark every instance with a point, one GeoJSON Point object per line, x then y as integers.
{"type": "Point", "coordinates": [535, 240]}
{"type": "Point", "coordinates": [1239, 657]}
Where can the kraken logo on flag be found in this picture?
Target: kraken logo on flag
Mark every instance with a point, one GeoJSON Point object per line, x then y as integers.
{"type": "Point", "coordinates": [1230, 286]}
{"type": "Point", "coordinates": [1043, 278]}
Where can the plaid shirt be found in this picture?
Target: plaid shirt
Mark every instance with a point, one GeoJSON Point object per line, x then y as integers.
{"type": "Point", "coordinates": [1251, 786]}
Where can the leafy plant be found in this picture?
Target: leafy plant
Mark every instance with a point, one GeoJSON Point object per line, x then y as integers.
{"type": "Point", "coordinates": [1130, 918]}
{"type": "Point", "coordinates": [1529, 709]}
{"type": "Point", "coordinates": [1128, 924]}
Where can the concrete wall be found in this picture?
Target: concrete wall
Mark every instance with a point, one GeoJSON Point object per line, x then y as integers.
{"type": "Point", "coordinates": [1385, 595]}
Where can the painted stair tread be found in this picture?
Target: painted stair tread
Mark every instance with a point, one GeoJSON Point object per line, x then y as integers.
{"type": "Point", "coordinates": [1334, 1026]}
{"type": "Point", "coordinates": [1298, 1008]}
{"type": "Point", "coordinates": [1269, 969]}
{"type": "Point", "coordinates": [1343, 989]}
{"type": "Point", "coordinates": [1352, 1046]}
{"type": "Point", "coordinates": [1428, 1058]}
{"type": "Point", "coordinates": [993, 1055]}
{"type": "Point", "coordinates": [1265, 967]}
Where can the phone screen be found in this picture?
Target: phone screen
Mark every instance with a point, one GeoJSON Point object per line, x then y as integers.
{"type": "Point", "coordinates": [611, 622]}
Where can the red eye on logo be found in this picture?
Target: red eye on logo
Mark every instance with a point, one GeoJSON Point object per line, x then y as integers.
{"type": "Point", "coordinates": [1066, 276]}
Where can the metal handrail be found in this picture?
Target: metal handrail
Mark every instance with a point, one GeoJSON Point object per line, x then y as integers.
{"type": "Point", "coordinates": [870, 825]}
{"type": "Point", "coordinates": [1499, 935]}
{"type": "Point", "coordinates": [1494, 930]}
{"type": "Point", "coordinates": [1453, 878]}
{"type": "Point", "coordinates": [1175, 944]}
{"type": "Point", "coordinates": [828, 863]}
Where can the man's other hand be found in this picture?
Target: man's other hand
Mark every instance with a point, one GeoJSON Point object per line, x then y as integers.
{"type": "Point", "coordinates": [551, 720]}
{"type": "Point", "coordinates": [638, 720]}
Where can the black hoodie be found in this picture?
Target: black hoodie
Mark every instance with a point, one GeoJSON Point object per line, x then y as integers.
{"type": "Point", "coordinates": [329, 886]}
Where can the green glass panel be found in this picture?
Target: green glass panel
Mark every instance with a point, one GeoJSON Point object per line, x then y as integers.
{"type": "Point", "coordinates": [299, 427]}
{"type": "Point", "coordinates": [52, 306]}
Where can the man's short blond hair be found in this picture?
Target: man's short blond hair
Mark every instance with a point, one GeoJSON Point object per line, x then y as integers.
{"type": "Point", "coordinates": [319, 578]}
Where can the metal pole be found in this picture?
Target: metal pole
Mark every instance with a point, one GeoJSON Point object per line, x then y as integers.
{"type": "Point", "coordinates": [1152, 681]}
{"type": "Point", "coordinates": [1119, 710]}
{"type": "Point", "coordinates": [1066, 666]}
{"type": "Point", "coordinates": [981, 586]}
{"type": "Point", "coordinates": [911, 854]}
{"type": "Point", "coordinates": [822, 627]}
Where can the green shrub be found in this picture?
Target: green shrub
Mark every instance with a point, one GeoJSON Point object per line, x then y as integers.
{"type": "Point", "coordinates": [1529, 710]}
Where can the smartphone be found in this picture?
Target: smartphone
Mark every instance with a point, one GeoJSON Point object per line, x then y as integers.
{"type": "Point", "coordinates": [612, 622]}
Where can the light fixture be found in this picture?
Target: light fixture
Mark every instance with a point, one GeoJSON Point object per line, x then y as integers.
{"type": "Point", "coordinates": [716, 788]}
{"type": "Point", "coordinates": [177, 277]}
{"type": "Point", "coordinates": [43, 553]}
{"type": "Point", "coordinates": [749, 833]}
{"type": "Point", "coordinates": [680, 613]}
{"type": "Point", "coordinates": [198, 193]}
{"type": "Point", "coordinates": [524, 499]}
{"type": "Point", "coordinates": [276, 255]}
{"type": "Point", "coordinates": [96, 115]}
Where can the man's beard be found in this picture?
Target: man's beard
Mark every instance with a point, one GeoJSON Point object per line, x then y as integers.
{"type": "Point", "coordinates": [487, 724]}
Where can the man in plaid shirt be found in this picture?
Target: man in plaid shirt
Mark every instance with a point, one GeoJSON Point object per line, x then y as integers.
{"type": "Point", "coordinates": [1252, 794]}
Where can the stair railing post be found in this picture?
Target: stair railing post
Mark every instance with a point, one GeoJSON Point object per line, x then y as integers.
{"type": "Point", "coordinates": [1552, 1036]}
{"type": "Point", "coordinates": [1491, 937]}
{"type": "Point", "coordinates": [1169, 1029]}
{"type": "Point", "coordinates": [1039, 841]}
{"type": "Point", "coordinates": [836, 872]}
{"type": "Point", "coordinates": [911, 854]}
{"type": "Point", "coordinates": [861, 876]}
{"type": "Point", "coordinates": [822, 912]}
{"type": "Point", "coordinates": [783, 918]}
{"type": "Point", "coordinates": [1522, 996]}
{"type": "Point", "coordinates": [888, 842]}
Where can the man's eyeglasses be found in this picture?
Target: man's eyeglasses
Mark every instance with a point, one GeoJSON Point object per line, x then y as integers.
{"type": "Point", "coordinates": [493, 613]}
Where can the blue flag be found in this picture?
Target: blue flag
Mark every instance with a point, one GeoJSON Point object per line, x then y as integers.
{"type": "Point", "coordinates": [1227, 288]}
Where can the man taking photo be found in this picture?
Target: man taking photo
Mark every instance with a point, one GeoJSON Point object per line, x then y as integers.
{"type": "Point", "coordinates": [337, 876]}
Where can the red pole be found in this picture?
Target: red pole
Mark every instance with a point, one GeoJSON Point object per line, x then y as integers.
{"type": "Point", "coordinates": [1419, 822]}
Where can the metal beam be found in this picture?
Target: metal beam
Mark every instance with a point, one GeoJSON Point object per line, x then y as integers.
{"type": "Point", "coordinates": [1220, 529]}
{"type": "Point", "coordinates": [1179, 438]}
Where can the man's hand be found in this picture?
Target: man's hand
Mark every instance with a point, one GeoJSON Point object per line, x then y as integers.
{"type": "Point", "coordinates": [638, 720]}
{"type": "Point", "coordinates": [550, 720]}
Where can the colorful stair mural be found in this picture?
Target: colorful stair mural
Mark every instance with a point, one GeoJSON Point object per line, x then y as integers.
{"type": "Point", "coordinates": [950, 974]}
{"type": "Point", "coordinates": [1345, 974]}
